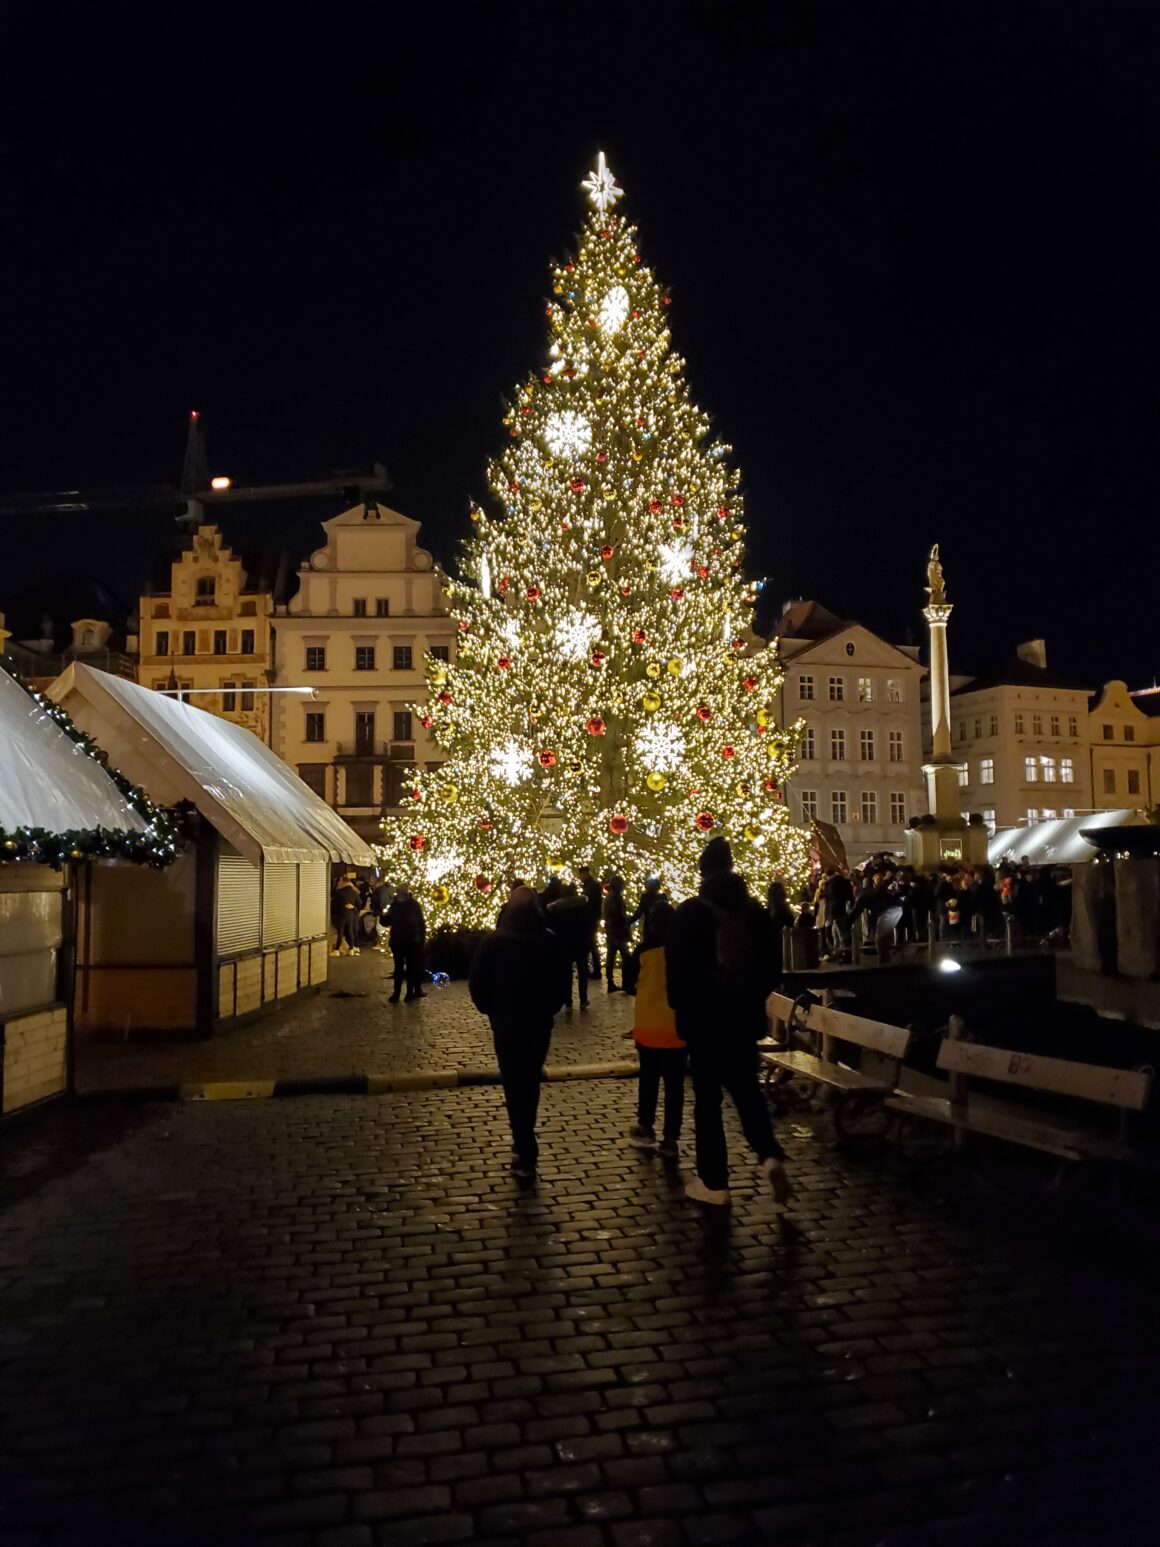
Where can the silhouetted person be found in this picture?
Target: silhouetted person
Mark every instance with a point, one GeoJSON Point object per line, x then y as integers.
{"type": "Point", "coordinates": [593, 894]}
{"type": "Point", "coordinates": [408, 930]}
{"type": "Point", "coordinates": [568, 920]}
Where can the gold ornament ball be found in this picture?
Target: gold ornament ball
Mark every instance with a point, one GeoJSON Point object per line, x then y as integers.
{"type": "Point", "coordinates": [740, 790]}
{"type": "Point", "coordinates": [557, 290]}
{"type": "Point", "coordinates": [594, 577]}
{"type": "Point", "coordinates": [537, 504]}
{"type": "Point", "coordinates": [449, 793]}
{"type": "Point", "coordinates": [653, 668]}
{"type": "Point", "coordinates": [638, 456]}
{"type": "Point", "coordinates": [655, 782]}
{"type": "Point", "coordinates": [752, 834]}
{"type": "Point", "coordinates": [762, 717]}
{"type": "Point", "coordinates": [650, 703]}
{"type": "Point", "coordinates": [676, 666]}
{"type": "Point", "coordinates": [440, 895]}
{"type": "Point", "coordinates": [438, 677]}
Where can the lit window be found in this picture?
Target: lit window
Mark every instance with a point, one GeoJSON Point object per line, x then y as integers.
{"type": "Point", "coordinates": [865, 690]}
{"type": "Point", "coordinates": [1018, 725]}
{"type": "Point", "coordinates": [807, 747]}
{"type": "Point", "coordinates": [315, 657]}
{"type": "Point", "coordinates": [838, 746]}
{"type": "Point", "coordinates": [987, 770]}
{"type": "Point", "coordinates": [805, 688]}
{"type": "Point", "coordinates": [838, 809]}
{"type": "Point", "coordinates": [206, 590]}
{"type": "Point", "coordinates": [866, 746]}
{"type": "Point", "coordinates": [1037, 725]}
{"type": "Point", "coordinates": [1048, 769]}
{"type": "Point", "coordinates": [1047, 814]}
{"type": "Point", "coordinates": [989, 819]}
{"type": "Point", "coordinates": [1032, 816]}
{"type": "Point", "coordinates": [869, 806]}
{"type": "Point", "coordinates": [219, 641]}
{"type": "Point", "coordinates": [315, 725]}
{"type": "Point", "coordinates": [1133, 781]}
{"type": "Point", "coordinates": [994, 731]}
{"type": "Point", "coordinates": [359, 606]}
{"type": "Point", "coordinates": [1030, 770]}
{"type": "Point", "coordinates": [1068, 811]}
{"type": "Point", "coordinates": [893, 690]}
{"type": "Point", "coordinates": [1109, 734]}
{"type": "Point", "coordinates": [896, 746]}
{"type": "Point", "coordinates": [837, 689]}
{"type": "Point", "coordinates": [163, 642]}
{"type": "Point", "coordinates": [1066, 771]}
{"type": "Point", "coordinates": [382, 606]}
{"type": "Point", "coordinates": [401, 658]}
{"type": "Point", "coordinates": [247, 641]}
{"type": "Point", "coordinates": [189, 643]}
{"type": "Point", "coordinates": [964, 777]}
{"type": "Point", "coordinates": [1129, 733]}
{"type": "Point", "coordinates": [364, 658]}
{"type": "Point", "coordinates": [1055, 725]}
{"type": "Point", "coordinates": [1072, 725]}
{"type": "Point", "coordinates": [898, 808]}
{"type": "Point", "coordinates": [1109, 781]}
{"type": "Point", "coordinates": [810, 804]}
{"type": "Point", "coordinates": [229, 697]}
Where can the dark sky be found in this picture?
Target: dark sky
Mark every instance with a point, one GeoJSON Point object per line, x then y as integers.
{"type": "Point", "coordinates": [914, 251]}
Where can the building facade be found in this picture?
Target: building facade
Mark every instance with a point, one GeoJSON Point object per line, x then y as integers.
{"type": "Point", "coordinates": [1022, 733]}
{"type": "Point", "coordinates": [368, 609]}
{"type": "Point", "coordinates": [860, 752]}
{"type": "Point", "coordinates": [204, 629]}
{"type": "Point", "coordinates": [1124, 746]}
{"type": "Point", "coordinates": [64, 618]}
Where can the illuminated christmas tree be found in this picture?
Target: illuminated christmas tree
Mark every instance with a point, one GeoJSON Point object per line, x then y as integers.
{"type": "Point", "coordinates": [609, 703]}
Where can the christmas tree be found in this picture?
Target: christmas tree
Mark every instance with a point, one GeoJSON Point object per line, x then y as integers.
{"type": "Point", "coordinates": [609, 703]}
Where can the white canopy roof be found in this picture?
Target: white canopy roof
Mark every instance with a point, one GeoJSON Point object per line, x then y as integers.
{"type": "Point", "coordinates": [1057, 842]}
{"type": "Point", "coordinates": [47, 780]}
{"type": "Point", "coordinates": [176, 752]}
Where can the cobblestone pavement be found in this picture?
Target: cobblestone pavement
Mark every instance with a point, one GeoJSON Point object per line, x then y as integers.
{"type": "Point", "coordinates": [329, 1035]}
{"type": "Point", "coordinates": [335, 1323]}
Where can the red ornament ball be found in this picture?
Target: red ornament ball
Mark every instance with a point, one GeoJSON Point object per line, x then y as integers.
{"type": "Point", "coordinates": [416, 794]}
{"type": "Point", "coordinates": [598, 658]}
{"type": "Point", "coordinates": [504, 662]}
{"type": "Point", "coordinates": [677, 593]}
{"type": "Point", "coordinates": [676, 499]}
{"type": "Point", "coordinates": [723, 513]}
{"type": "Point", "coordinates": [726, 751]}
{"type": "Point", "coordinates": [533, 593]}
{"type": "Point", "coordinates": [602, 456]}
{"type": "Point", "coordinates": [547, 380]}
{"type": "Point", "coordinates": [639, 636]}
{"type": "Point", "coordinates": [637, 314]}
{"type": "Point", "coordinates": [678, 523]}
{"type": "Point", "coordinates": [425, 721]}
{"type": "Point", "coordinates": [577, 485]}
{"type": "Point", "coordinates": [739, 644]}
{"type": "Point", "coordinates": [704, 821]}
{"type": "Point", "coordinates": [704, 713]}
{"type": "Point", "coordinates": [618, 825]}
{"type": "Point", "coordinates": [568, 267]}
{"type": "Point", "coordinates": [418, 842]}
{"type": "Point", "coordinates": [771, 785]}
{"type": "Point", "coordinates": [607, 551]}
{"type": "Point", "coordinates": [596, 726]}
{"type": "Point", "coordinates": [514, 485]}
{"type": "Point", "coordinates": [626, 590]}
{"type": "Point", "coordinates": [481, 882]}
{"type": "Point", "coordinates": [445, 697]}
{"type": "Point", "coordinates": [547, 759]}
{"type": "Point", "coordinates": [464, 625]}
{"type": "Point", "coordinates": [702, 572]}
{"type": "Point", "coordinates": [504, 582]}
{"type": "Point", "coordinates": [749, 684]}
{"type": "Point", "coordinates": [655, 507]}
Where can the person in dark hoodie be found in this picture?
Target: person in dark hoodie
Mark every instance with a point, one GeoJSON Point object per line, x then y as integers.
{"type": "Point", "coordinates": [718, 960]}
{"type": "Point", "coordinates": [520, 977]}
{"type": "Point", "coordinates": [568, 920]}
{"type": "Point", "coordinates": [408, 930]}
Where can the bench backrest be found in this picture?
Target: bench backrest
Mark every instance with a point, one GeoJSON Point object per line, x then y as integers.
{"type": "Point", "coordinates": [1114, 1087]}
{"type": "Point", "coordinates": [876, 1036]}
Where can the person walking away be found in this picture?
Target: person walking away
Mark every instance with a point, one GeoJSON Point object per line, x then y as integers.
{"type": "Point", "coordinates": [593, 894]}
{"type": "Point", "coordinates": [662, 1054]}
{"type": "Point", "coordinates": [519, 979]}
{"type": "Point", "coordinates": [568, 921]}
{"type": "Point", "coordinates": [408, 930]}
{"type": "Point", "coordinates": [381, 896]}
{"type": "Point", "coordinates": [780, 917]}
{"type": "Point", "coordinates": [839, 901]}
{"type": "Point", "coordinates": [717, 967]}
{"type": "Point", "coordinates": [649, 897]}
{"type": "Point", "coordinates": [616, 937]}
{"type": "Point", "coordinates": [344, 910]}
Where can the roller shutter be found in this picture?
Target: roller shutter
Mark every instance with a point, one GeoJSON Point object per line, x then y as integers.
{"type": "Point", "coordinates": [239, 911]}
{"type": "Point", "coordinates": [279, 904]}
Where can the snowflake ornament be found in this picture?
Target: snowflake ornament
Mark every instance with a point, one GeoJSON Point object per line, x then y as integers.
{"type": "Point", "coordinates": [575, 635]}
{"type": "Point", "coordinates": [674, 560]}
{"type": "Point", "coordinates": [440, 866]}
{"type": "Point", "coordinates": [660, 746]}
{"type": "Point", "coordinates": [511, 762]}
{"type": "Point", "coordinates": [601, 187]}
{"type": "Point", "coordinates": [613, 312]}
{"type": "Point", "coordinates": [567, 434]}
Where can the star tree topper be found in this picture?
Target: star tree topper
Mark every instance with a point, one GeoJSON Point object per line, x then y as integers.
{"type": "Point", "coordinates": [601, 187]}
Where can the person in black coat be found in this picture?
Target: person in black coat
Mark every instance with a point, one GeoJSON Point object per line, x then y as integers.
{"type": "Point", "coordinates": [408, 930]}
{"type": "Point", "coordinates": [519, 979]}
{"type": "Point", "coordinates": [593, 894]}
{"type": "Point", "coordinates": [344, 910]}
{"type": "Point", "coordinates": [718, 966]}
{"type": "Point", "coordinates": [616, 934]}
{"type": "Point", "coordinates": [568, 920]}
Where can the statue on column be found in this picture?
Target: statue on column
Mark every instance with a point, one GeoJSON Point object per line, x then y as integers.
{"type": "Point", "coordinates": [935, 587]}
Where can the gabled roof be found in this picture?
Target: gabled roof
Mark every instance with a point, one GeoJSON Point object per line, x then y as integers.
{"type": "Point", "coordinates": [1018, 673]}
{"type": "Point", "coordinates": [176, 752]}
{"type": "Point", "coordinates": [805, 619]}
{"type": "Point", "coordinates": [48, 609]}
{"type": "Point", "coordinates": [266, 569]}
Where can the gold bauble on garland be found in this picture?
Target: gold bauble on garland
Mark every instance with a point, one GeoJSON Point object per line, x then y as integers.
{"type": "Point", "coordinates": [655, 781]}
{"type": "Point", "coordinates": [651, 702]}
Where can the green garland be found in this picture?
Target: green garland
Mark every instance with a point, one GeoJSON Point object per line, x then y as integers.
{"type": "Point", "coordinates": [158, 845]}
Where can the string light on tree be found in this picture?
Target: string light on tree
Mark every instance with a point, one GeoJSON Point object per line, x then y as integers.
{"type": "Point", "coordinates": [601, 667]}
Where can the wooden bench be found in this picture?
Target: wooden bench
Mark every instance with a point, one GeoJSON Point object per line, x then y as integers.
{"type": "Point", "coordinates": [1068, 1138]}
{"type": "Point", "coordinates": [858, 1095]}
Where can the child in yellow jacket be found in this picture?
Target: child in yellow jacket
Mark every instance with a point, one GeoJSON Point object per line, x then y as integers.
{"type": "Point", "coordinates": [661, 1052]}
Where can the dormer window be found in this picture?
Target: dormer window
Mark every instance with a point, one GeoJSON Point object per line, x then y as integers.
{"type": "Point", "coordinates": [206, 590]}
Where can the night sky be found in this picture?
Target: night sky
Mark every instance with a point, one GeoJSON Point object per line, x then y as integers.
{"type": "Point", "coordinates": [914, 252]}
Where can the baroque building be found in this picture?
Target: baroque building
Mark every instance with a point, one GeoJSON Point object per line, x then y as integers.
{"type": "Point", "coordinates": [859, 762]}
{"type": "Point", "coordinates": [204, 627]}
{"type": "Point", "coordinates": [1124, 742]}
{"type": "Point", "coordinates": [369, 607]}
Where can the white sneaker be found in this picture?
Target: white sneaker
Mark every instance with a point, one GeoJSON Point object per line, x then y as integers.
{"type": "Point", "coordinates": [779, 1182]}
{"type": "Point", "coordinates": [718, 1196]}
{"type": "Point", "coordinates": [354, 950]}
{"type": "Point", "coordinates": [336, 953]}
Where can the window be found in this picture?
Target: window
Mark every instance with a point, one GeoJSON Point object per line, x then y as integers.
{"type": "Point", "coordinates": [1108, 733]}
{"type": "Point", "coordinates": [229, 697]}
{"type": "Point", "coordinates": [248, 695]}
{"type": "Point", "coordinates": [315, 657]}
{"type": "Point", "coordinates": [402, 724]}
{"type": "Point", "coordinates": [865, 690]}
{"type": "Point", "coordinates": [1109, 781]}
{"type": "Point", "coordinates": [893, 690]}
{"type": "Point", "coordinates": [962, 735]}
{"type": "Point", "coordinates": [810, 804]}
{"type": "Point", "coordinates": [315, 725]}
{"type": "Point", "coordinates": [1030, 770]}
{"type": "Point", "coordinates": [161, 610]}
{"type": "Point", "coordinates": [866, 746]}
{"type": "Point", "coordinates": [994, 730]}
{"type": "Point", "coordinates": [163, 642]}
{"type": "Point", "coordinates": [189, 643]}
{"type": "Point", "coordinates": [360, 784]}
{"type": "Point", "coordinates": [1037, 725]}
{"type": "Point", "coordinates": [313, 776]}
{"type": "Point", "coordinates": [401, 658]}
{"type": "Point", "coordinates": [987, 770]}
{"type": "Point", "coordinates": [206, 590]}
{"type": "Point", "coordinates": [838, 746]}
{"type": "Point", "coordinates": [1068, 811]}
{"type": "Point", "coordinates": [249, 609]}
{"type": "Point", "coordinates": [1018, 725]}
{"type": "Point", "coordinates": [989, 820]}
{"type": "Point", "coordinates": [1047, 814]}
{"type": "Point", "coordinates": [1054, 725]}
{"type": "Point", "coordinates": [382, 606]}
{"type": "Point", "coordinates": [838, 811]}
{"type": "Point", "coordinates": [440, 652]}
{"type": "Point", "coordinates": [1066, 771]}
{"type": "Point", "coordinates": [807, 747]}
{"type": "Point", "coordinates": [978, 729]}
{"type": "Point", "coordinates": [805, 688]}
{"type": "Point", "coordinates": [1129, 733]}
{"type": "Point", "coordinates": [964, 777]}
{"type": "Point", "coordinates": [183, 692]}
{"type": "Point", "coordinates": [247, 641]}
{"type": "Point", "coordinates": [896, 746]}
{"type": "Point", "coordinates": [897, 808]}
{"type": "Point", "coordinates": [1048, 769]}
{"type": "Point", "coordinates": [1072, 725]}
{"type": "Point", "coordinates": [364, 658]}
{"type": "Point", "coordinates": [360, 606]}
{"type": "Point", "coordinates": [869, 806]}
{"type": "Point", "coordinates": [1133, 781]}
{"type": "Point", "coordinates": [1032, 816]}
{"type": "Point", "coordinates": [219, 641]}
{"type": "Point", "coordinates": [837, 689]}
{"type": "Point", "coordinates": [364, 731]}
